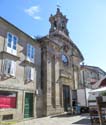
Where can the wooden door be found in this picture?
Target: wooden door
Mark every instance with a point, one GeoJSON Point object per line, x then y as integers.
{"type": "Point", "coordinates": [66, 97]}
{"type": "Point", "coordinates": [28, 107]}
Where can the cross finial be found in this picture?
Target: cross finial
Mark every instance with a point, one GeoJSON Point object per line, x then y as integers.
{"type": "Point", "coordinates": [58, 6]}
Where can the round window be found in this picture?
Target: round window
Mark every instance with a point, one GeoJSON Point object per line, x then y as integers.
{"type": "Point", "coordinates": [64, 59]}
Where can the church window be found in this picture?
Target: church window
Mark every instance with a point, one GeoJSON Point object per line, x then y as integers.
{"type": "Point", "coordinates": [64, 59]}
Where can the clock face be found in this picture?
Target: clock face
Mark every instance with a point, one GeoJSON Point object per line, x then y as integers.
{"type": "Point", "coordinates": [64, 59]}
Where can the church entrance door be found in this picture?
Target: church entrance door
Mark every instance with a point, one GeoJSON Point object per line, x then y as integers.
{"type": "Point", "coordinates": [66, 97]}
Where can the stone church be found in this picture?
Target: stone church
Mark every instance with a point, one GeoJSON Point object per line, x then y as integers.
{"type": "Point", "coordinates": [38, 77]}
{"type": "Point", "coordinates": [60, 66]}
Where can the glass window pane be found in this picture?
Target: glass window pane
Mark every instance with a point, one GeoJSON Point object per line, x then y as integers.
{"type": "Point", "coordinates": [28, 50]}
{"type": "Point", "coordinates": [8, 99]}
{"type": "Point", "coordinates": [9, 67]}
{"type": "Point", "coordinates": [14, 42]}
{"type": "Point", "coordinates": [64, 59]}
{"type": "Point", "coordinates": [32, 49]}
{"type": "Point", "coordinates": [30, 73]}
{"type": "Point", "coordinates": [9, 38]}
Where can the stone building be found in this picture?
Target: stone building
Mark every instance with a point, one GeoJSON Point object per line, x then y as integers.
{"type": "Point", "coordinates": [100, 83]}
{"type": "Point", "coordinates": [20, 69]}
{"type": "Point", "coordinates": [37, 76]}
{"type": "Point", "coordinates": [60, 66]}
{"type": "Point", "coordinates": [90, 75]}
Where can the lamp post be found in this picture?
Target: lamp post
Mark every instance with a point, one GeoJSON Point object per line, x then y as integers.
{"type": "Point", "coordinates": [73, 67]}
{"type": "Point", "coordinates": [84, 86]}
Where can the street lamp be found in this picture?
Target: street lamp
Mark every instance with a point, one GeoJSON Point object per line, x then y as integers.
{"type": "Point", "coordinates": [84, 86]}
{"type": "Point", "coordinates": [72, 57]}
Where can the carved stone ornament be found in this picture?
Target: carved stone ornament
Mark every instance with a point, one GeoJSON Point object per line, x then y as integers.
{"type": "Point", "coordinates": [65, 48]}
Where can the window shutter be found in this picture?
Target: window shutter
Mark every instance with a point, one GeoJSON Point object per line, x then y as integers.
{"type": "Point", "coordinates": [27, 73]}
{"type": "Point", "coordinates": [32, 73]}
{"type": "Point", "coordinates": [13, 68]}
{"type": "Point", "coordinates": [5, 66]}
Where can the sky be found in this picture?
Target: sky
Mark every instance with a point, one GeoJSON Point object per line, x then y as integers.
{"type": "Point", "coordinates": [86, 23]}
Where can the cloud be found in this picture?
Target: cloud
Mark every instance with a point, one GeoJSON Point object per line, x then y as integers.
{"type": "Point", "coordinates": [37, 17]}
{"type": "Point", "coordinates": [33, 11]}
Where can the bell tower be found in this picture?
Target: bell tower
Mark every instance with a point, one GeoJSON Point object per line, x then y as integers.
{"type": "Point", "coordinates": [58, 23]}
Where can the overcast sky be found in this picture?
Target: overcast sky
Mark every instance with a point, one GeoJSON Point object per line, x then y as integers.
{"type": "Point", "coordinates": [87, 23]}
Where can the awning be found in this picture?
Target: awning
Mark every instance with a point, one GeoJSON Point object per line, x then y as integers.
{"type": "Point", "coordinates": [102, 89]}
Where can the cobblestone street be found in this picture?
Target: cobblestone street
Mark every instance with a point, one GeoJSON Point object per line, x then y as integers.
{"type": "Point", "coordinates": [59, 120]}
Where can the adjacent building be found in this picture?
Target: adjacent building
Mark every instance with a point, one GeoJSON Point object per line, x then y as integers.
{"type": "Point", "coordinates": [38, 77]}
{"type": "Point", "coordinates": [101, 83]}
{"type": "Point", "coordinates": [90, 75]}
{"type": "Point", "coordinates": [20, 73]}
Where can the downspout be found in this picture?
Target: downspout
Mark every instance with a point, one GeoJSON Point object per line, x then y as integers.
{"type": "Point", "coordinates": [2, 69]}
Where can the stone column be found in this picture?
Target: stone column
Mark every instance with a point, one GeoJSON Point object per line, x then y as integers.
{"type": "Point", "coordinates": [57, 80]}
{"type": "Point", "coordinates": [49, 81]}
{"type": "Point", "coordinates": [53, 82]}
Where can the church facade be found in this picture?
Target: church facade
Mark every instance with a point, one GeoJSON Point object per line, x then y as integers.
{"type": "Point", "coordinates": [38, 77]}
{"type": "Point", "coordinates": [60, 66]}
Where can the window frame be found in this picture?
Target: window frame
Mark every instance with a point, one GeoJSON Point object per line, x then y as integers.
{"type": "Point", "coordinates": [9, 67]}
{"type": "Point", "coordinates": [30, 53]}
{"type": "Point", "coordinates": [29, 73]}
{"type": "Point", "coordinates": [8, 42]}
{"type": "Point", "coordinates": [64, 59]}
{"type": "Point", "coordinates": [5, 94]}
{"type": "Point", "coordinates": [13, 47]}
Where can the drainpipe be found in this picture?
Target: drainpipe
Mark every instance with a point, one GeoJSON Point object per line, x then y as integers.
{"type": "Point", "coordinates": [2, 68]}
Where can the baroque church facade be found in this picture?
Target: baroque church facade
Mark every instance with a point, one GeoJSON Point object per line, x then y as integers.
{"type": "Point", "coordinates": [60, 66]}
{"type": "Point", "coordinates": [38, 77]}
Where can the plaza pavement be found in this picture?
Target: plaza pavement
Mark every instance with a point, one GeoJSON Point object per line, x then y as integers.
{"type": "Point", "coordinates": [59, 120]}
